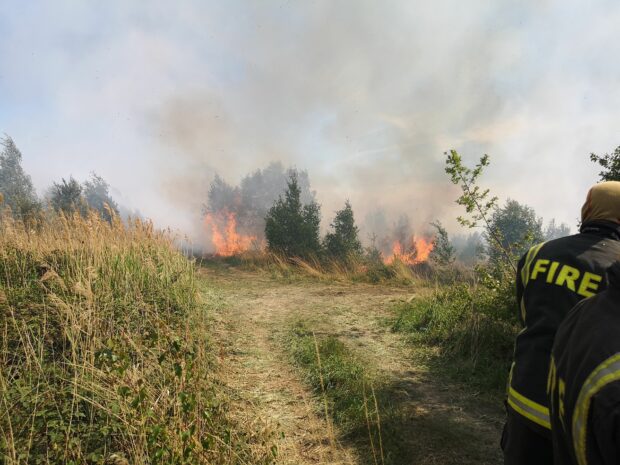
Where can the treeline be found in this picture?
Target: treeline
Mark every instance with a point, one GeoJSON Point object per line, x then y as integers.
{"type": "Point", "coordinates": [67, 196]}
{"type": "Point", "coordinates": [278, 205]}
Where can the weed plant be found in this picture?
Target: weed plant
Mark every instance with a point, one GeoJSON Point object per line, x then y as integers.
{"type": "Point", "coordinates": [104, 351]}
{"type": "Point", "coordinates": [473, 326]}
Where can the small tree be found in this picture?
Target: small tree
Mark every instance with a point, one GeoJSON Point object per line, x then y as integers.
{"type": "Point", "coordinates": [477, 202]}
{"type": "Point", "coordinates": [66, 197]}
{"type": "Point", "coordinates": [443, 252]}
{"type": "Point", "coordinates": [16, 187]}
{"type": "Point", "coordinates": [517, 228]}
{"type": "Point", "coordinates": [97, 196]}
{"type": "Point", "coordinates": [343, 242]}
{"type": "Point", "coordinates": [610, 164]}
{"type": "Point", "coordinates": [292, 228]}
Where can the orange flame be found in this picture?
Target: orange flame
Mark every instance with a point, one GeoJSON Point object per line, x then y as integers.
{"type": "Point", "coordinates": [226, 240]}
{"type": "Point", "coordinates": [419, 252]}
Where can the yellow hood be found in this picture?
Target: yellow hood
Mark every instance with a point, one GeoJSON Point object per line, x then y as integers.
{"type": "Point", "coordinates": [602, 203]}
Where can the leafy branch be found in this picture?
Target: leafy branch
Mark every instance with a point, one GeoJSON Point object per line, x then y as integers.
{"type": "Point", "coordinates": [477, 202]}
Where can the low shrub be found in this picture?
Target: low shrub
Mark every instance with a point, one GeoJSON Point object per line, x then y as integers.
{"type": "Point", "coordinates": [473, 325]}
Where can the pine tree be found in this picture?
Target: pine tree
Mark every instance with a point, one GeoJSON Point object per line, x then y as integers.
{"type": "Point", "coordinates": [343, 242]}
{"type": "Point", "coordinates": [443, 252]}
{"type": "Point", "coordinates": [292, 228]}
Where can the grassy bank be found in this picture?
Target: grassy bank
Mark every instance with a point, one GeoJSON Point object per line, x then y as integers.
{"type": "Point", "coordinates": [472, 328]}
{"type": "Point", "coordinates": [104, 353]}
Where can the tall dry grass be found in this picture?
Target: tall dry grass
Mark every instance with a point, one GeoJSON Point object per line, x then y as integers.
{"type": "Point", "coordinates": [104, 350]}
{"type": "Point", "coordinates": [354, 268]}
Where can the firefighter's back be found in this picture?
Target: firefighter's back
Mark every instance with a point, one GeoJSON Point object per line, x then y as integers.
{"type": "Point", "coordinates": [552, 278]}
{"type": "Point", "coordinates": [584, 381]}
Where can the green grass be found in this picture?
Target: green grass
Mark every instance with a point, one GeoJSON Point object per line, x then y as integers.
{"type": "Point", "coordinates": [355, 398]}
{"type": "Point", "coordinates": [104, 350]}
{"type": "Point", "coordinates": [472, 326]}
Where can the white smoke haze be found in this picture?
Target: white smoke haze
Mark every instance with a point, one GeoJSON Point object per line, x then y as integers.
{"type": "Point", "coordinates": [364, 95]}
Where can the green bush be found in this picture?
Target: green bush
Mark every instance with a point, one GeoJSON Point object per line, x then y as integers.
{"type": "Point", "coordinates": [474, 326]}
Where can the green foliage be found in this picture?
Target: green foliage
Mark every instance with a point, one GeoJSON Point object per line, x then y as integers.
{"type": "Point", "coordinates": [96, 193]}
{"type": "Point", "coordinates": [291, 228]}
{"type": "Point", "coordinates": [517, 228]}
{"type": "Point", "coordinates": [477, 202]}
{"type": "Point", "coordinates": [473, 326]}
{"type": "Point", "coordinates": [66, 197]}
{"type": "Point", "coordinates": [71, 197]}
{"type": "Point", "coordinates": [358, 401]}
{"type": "Point", "coordinates": [343, 242]}
{"type": "Point", "coordinates": [16, 189]}
{"type": "Point", "coordinates": [443, 252]}
{"type": "Point", "coordinates": [610, 164]}
{"type": "Point", "coordinates": [376, 271]}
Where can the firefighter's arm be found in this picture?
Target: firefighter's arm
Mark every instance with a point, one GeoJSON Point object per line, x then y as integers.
{"type": "Point", "coordinates": [605, 424]}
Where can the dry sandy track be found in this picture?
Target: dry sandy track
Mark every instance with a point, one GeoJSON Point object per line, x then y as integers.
{"type": "Point", "coordinates": [443, 423]}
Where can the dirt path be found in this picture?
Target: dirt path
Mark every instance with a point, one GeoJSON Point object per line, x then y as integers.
{"type": "Point", "coordinates": [442, 424]}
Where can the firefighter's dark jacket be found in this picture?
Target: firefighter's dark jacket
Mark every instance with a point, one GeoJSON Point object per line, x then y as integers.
{"type": "Point", "coordinates": [552, 278]}
{"type": "Point", "coordinates": [584, 381]}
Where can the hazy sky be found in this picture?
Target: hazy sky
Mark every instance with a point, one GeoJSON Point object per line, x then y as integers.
{"type": "Point", "coordinates": [366, 95]}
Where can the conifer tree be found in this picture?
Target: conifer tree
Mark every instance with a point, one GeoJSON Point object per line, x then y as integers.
{"type": "Point", "coordinates": [443, 252]}
{"type": "Point", "coordinates": [292, 228]}
{"type": "Point", "coordinates": [343, 242]}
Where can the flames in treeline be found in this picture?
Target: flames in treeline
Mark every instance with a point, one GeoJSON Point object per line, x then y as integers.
{"type": "Point", "coordinates": [228, 241]}
{"type": "Point", "coordinates": [234, 217]}
{"type": "Point", "coordinates": [418, 251]}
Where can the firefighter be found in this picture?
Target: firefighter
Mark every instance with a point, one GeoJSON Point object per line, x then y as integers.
{"type": "Point", "coordinates": [552, 278]}
{"type": "Point", "coordinates": [584, 381]}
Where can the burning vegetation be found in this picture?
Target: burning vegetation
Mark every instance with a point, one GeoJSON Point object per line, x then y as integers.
{"type": "Point", "coordinates": [274, 210]}
{"type": "Point", "coordinates": [224, 236]}
{"type": "Point", "coordinates": [418, 251]}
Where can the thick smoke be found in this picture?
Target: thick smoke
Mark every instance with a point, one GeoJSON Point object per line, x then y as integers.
{"type": "Point", "coordinates": [365, 95]}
